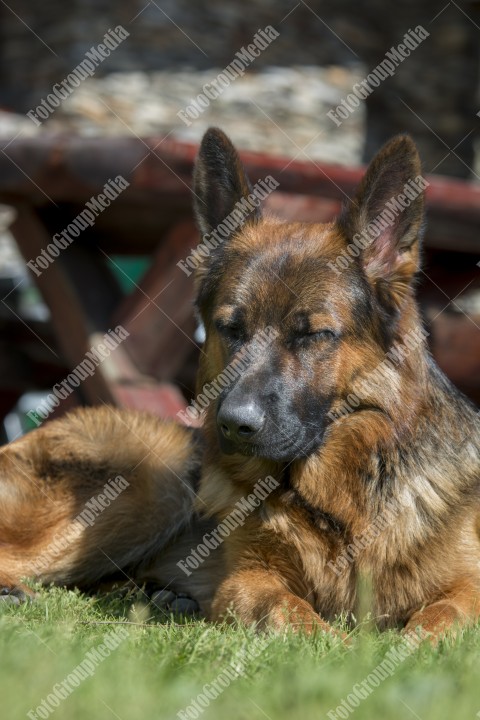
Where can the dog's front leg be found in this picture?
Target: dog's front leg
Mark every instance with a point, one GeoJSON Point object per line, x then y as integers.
{"type": "Point", "coordinates": [259, 597]}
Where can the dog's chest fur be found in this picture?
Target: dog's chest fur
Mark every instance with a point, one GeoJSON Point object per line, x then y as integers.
{"type": "Point", "coordinates": [389, 568]}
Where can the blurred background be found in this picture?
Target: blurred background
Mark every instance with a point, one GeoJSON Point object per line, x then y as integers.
{"type": "Point", "coordinates": [124, 119]}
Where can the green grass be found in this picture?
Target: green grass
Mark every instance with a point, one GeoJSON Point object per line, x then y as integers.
{"type": "Point", "coordinates": [162, 665]}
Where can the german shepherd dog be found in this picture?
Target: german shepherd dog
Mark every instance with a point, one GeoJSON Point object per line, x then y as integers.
{"type": "Point", "coordinates": [408, 447]}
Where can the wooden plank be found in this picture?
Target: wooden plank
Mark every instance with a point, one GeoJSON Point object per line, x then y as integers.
{"type": "Point", "coordinates": [455, 343]}
{"type": "Point", "coordinates": [159, 171]}
{"type": "Point", "coordinates": [68, 319]}
{"type": "Point", "coordinates": [116, 380]}
{"type": "Point", "coordinates": [159, 313]}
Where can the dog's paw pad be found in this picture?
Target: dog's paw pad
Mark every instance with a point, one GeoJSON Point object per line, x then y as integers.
{"type": "Point", "coordinates": [177, 603]}
{"type": "Point", "coordinates": [184, 605]}
{"type": "Point", "coordinates": [163, 598]}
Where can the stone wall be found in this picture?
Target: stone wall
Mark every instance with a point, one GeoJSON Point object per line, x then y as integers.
{"type": "Point", "coordinates": [438, 82]}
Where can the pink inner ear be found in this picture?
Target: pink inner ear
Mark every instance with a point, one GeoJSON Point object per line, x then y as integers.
{"type": "Point", "coordinates": [381, 256]}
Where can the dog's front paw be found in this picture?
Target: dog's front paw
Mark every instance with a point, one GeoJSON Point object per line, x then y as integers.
{"type": "Point", "coordinates": [435, 622]}
{"type": "Point", "coordinates": [176, 603]}
{"type": "Point", "coordinates": [292, 613]}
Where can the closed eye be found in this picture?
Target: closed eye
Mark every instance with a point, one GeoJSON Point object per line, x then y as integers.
{"type": "Point", "coordinates": [231, 333]}
{"type": "Point", "coordinates": [325, 333]}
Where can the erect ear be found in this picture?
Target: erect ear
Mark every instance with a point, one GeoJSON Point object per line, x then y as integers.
{"type": "Point", "coordinates": [219, 182]}
{"type": "Point", "coordinates": [385, 218]}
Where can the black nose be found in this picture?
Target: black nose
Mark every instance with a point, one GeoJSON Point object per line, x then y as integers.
{"type": "Point", "coordinates": [240, 421]}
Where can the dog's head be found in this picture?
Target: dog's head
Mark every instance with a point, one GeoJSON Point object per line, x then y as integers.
{"type": "Point", "coordinates": [296, 313]}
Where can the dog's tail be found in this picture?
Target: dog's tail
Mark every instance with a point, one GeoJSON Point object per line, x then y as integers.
{"type": "Point", "coordinates": [97, 492]}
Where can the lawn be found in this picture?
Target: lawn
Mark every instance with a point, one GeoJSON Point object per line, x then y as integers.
{"type": "Point", "coordinates": [156, 667]}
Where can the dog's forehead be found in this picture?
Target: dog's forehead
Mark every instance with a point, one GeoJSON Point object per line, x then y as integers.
{"type": "Point", "coordinates": [282, 269]}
